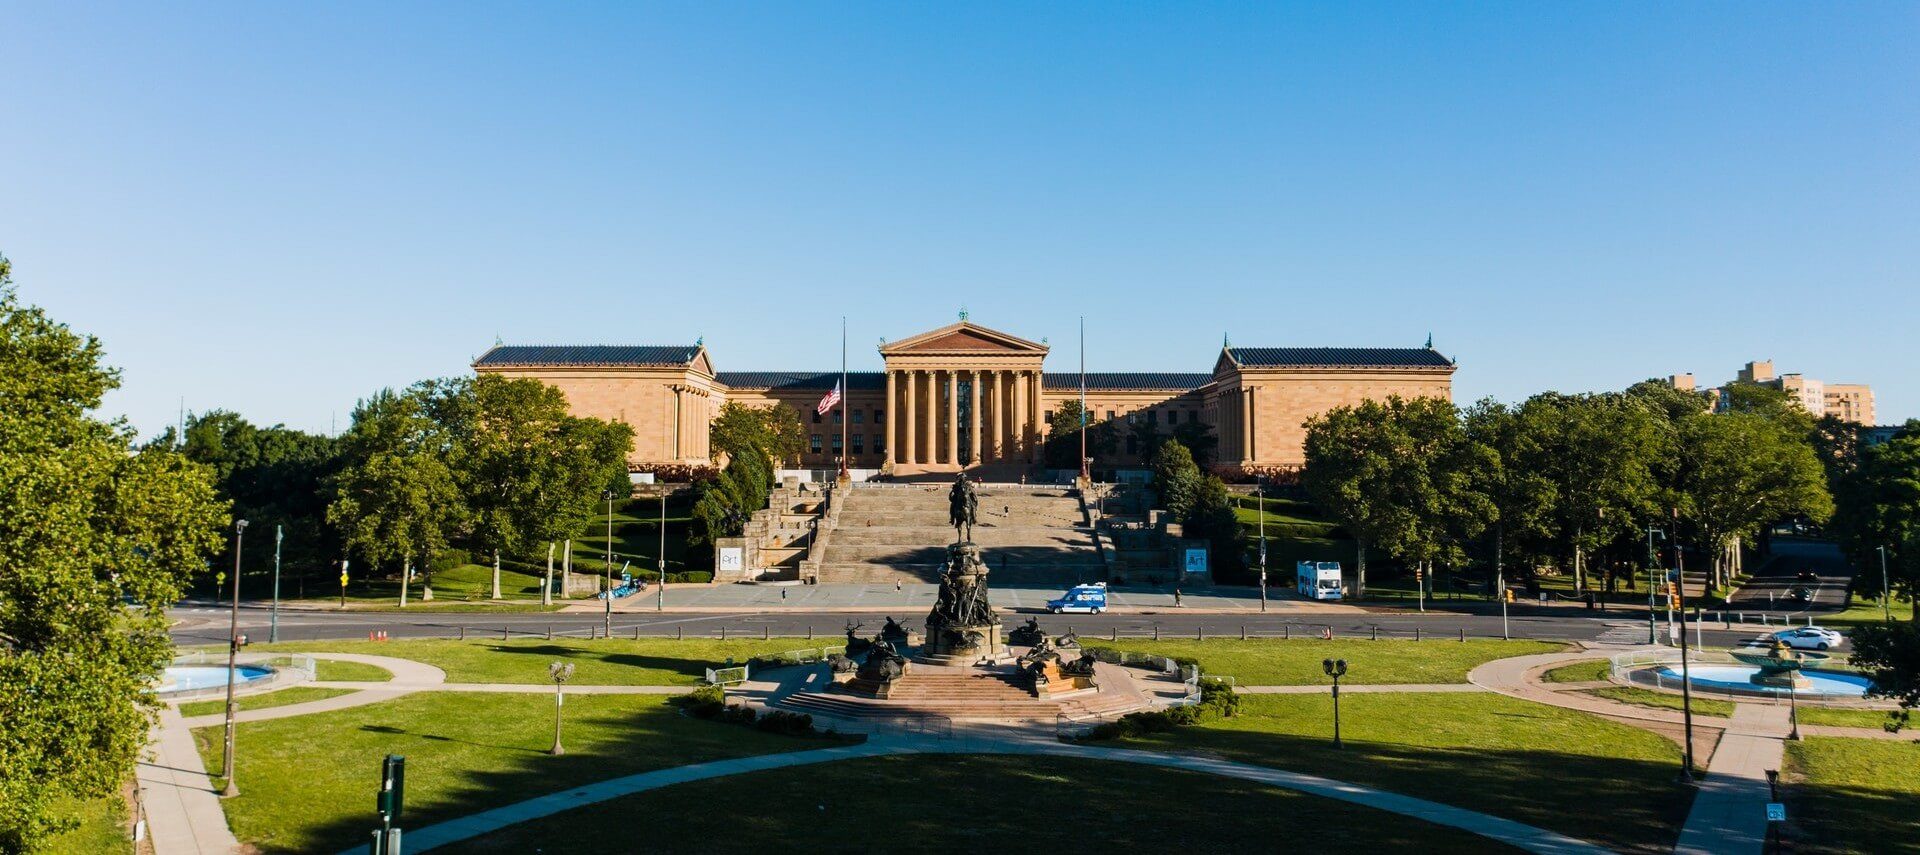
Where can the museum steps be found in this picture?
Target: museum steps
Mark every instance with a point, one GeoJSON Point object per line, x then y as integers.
{"type": "Point", "coordinates": [961, 696]}
{"type": "Point", "coordinates": [1028, 535]}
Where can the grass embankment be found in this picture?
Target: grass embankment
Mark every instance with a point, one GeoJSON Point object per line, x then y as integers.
{"type": "Point", "coordinates": [307, 782]}
{"type": "Point", "coordinates": [103, 827]}
{"type": "Point", "coordinates": [1865, 612]}
{"type": "Point", "coordinates": [1579, 672]}
{"type": "Point", "coordinates": [1853, 795]}
{"type": "Point", "coordinates": [1555, 768]}
{"type": "Point", "coordinates": [1296, 662]}
{"type": "Point", "coordinates": [602, 662]}
{"type": "Point", "coordinates": [281, 698]}
{"type": "Point", "coordinates": [1842, 717]}
{"type": "Point", "coordinates": [342, 671]}
{"type": "Point", "coordinates": [1039, 804]}
{"type": "Point", "coordinates": [1663, 700]}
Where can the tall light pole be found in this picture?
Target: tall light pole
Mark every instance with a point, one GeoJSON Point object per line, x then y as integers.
{"type": "Point", "coordinates": [1653, 561]}
{"type": "Point", "coordinates": [273, 628]}
{"type": "Point", "coordinates": [1686, 684]}
{"type": "Point", "coordinates": [1500, 577]}
{"type": "Point", "coordinates": [1260, 495]}
{"type": "Point", "coordinates": [1335, 668]}
{"type": "Point", "coordinates": [660, 596]}
{"type": "Point", "coordinates": [1085, 468]}
{"type": "Point", "coordinates": [1886, 591]}
{"type": "Point", "coordinates": [233, 655]}
{"type": "Point", "coordinates": [606, 589]}
{"type": "Point", "coordinates": [560, 672]}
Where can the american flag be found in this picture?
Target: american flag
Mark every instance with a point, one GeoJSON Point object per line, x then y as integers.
{"type": "Point", "coordinates": [827, 403]}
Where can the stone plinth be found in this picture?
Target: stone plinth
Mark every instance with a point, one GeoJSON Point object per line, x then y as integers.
{"type": "Point", "coordinates": [963, 627]}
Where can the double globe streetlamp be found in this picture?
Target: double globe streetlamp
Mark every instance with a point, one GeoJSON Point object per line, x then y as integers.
{"type": "Point", "coordinates": [1335, 668]}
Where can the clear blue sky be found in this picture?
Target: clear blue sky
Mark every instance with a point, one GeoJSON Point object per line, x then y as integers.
{"type": "Point", "coordinates": [279, 210]}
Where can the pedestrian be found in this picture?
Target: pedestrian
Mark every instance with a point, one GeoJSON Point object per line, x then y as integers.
{"type": "Point", "coordinates": [783, 593]}
{"type": "Point", "coordinates": [1176, 597]}
{"type": "Point", "coordinates": [896, 584]}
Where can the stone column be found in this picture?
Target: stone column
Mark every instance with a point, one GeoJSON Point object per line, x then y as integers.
{"type": "Point", "coordinates": [973, 418]}
{"type": "Point", "coordinates": [908, 453]}
{"type": "Point", "coordinates": [1000, 417]}
{"type": "Point", "coordinates": [1033, 417]}
{"type": "Point", "coordinates": [1017, 411]}
{"type": "Point", "coordinates": [893, 418]}
{"type": "Point", "coordinates": [1246, 425]}
{"type": "Point", "coordinates": [1253, 427]}
{"type": "Point", "coordinates": [953, 417]}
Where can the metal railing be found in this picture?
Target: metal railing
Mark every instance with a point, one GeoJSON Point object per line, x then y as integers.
{"type": "Point", "coordinates": [921, 724]}
{"type": "Point", "coordinates": [277, 661]}
{"type": "Point", "coordinates": [725, 676]}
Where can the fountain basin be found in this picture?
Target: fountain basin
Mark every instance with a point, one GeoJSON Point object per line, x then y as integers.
{"type": "Point", "coordinates": [182, 679]}
{"type": "Point", "coordinates": [1741, 678]}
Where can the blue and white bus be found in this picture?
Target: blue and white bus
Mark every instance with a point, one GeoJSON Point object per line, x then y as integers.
{"type": "Point", "coordinates": [1318, 580]}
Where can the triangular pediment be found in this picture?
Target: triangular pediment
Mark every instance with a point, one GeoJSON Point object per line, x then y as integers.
{"type": "Point", "coordinates": [1225, 364]}
{"type": "Point", "coordinates": [702, 363]}
{"type": "Point", "coordinates": [963, 337]}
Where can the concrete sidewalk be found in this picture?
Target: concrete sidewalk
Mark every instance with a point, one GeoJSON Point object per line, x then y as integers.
{"type": "Point", "coordinates": [1729, 813]}
{"type": "Point", "coordinates": [184, 816]}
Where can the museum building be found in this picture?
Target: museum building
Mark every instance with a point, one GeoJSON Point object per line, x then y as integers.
{"type": "Point", "coordinates": [966, 397]}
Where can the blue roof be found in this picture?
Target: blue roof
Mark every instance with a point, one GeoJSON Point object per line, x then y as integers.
{"type": "Point", "coordinates": [820, 380]}
{"type": "Point", "coordinates": [1341, 357]}
{"type": "Point", "coordinates": [1122, 380]}
{"type": "Point", "coordinates": [589, 355]}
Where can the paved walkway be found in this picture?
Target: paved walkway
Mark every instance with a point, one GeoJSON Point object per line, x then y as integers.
{"type": "Point", "coordinates": [1504, 830]}
{"type": "Point", "coordinates": [1729, 812]}
{"type": "Point", "coordinates": [184, 816]}
{"type": "Point", "coordinates": [1360, 689]}
{"type": "Point", "coordinates": [882, 598]}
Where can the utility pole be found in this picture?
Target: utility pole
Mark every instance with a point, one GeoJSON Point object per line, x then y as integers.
{"type": "Point", "coordinates": [1260, 495]}
{"type": "Point", "coordinates": [1085, 469]}
{"type": "Point", "coordinates": [606, 589]}
{"type": "Point", "coordinates": [1653, 563]}
{"type": "Point", "coordinates": [1686, 684]}
{"type": "Point", "coordinates": [273, 626]}
{"type": "Point", "coordinates": [233, 655]}
{"type": "Point", "coordinates": [1886, 592]}
{"type": "Point", "coordinates": [1500, 578]}
{"type": "Point", "coordinates": [660, 596]}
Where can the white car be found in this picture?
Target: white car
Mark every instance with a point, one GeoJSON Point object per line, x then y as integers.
{"type": "Point", "coordinates": [1810, 638]}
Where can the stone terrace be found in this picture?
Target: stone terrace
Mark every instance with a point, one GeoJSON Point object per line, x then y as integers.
{"type": "Point", "coordinates": [900, 533]}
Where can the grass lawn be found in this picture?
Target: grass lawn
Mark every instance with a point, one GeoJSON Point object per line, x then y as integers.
{"type": "Point", "coordinates": [1840, 717]}
{"type": "Point", "coordinates": [1296, 662]}
{"type": "Point", "coordinates": [601, 662]}
{"type": "Point", "coordinates": [1555, 768]}
{"type": "Point", "coordinates": [281, 698]}
{"type": "Point", "coordinates": [103, 827]}
{"type": "Point", "coordinates": [307, 783]}
{"type": "Point", "coordinates": [1853, 795]}
{"type": "Point", "coordinates": [1579, 672]}
{"type": "Point", "coordinates": [1663, 700]}
{"type": "Point", "coordinates": [338, 671]}
{"type": "Point", "coordinates": [1865, 611]}
{"type": "Point", "coordinates": [1022, 804]}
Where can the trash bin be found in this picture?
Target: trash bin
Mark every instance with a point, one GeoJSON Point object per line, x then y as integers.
{"type": "Point", "coordinates": [1589, 600]}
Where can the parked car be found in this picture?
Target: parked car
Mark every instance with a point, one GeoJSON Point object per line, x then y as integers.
{"type": "Point", "coordinates": [1810, 638]}
{"type": "Point", "coordinates": [1089, 599]}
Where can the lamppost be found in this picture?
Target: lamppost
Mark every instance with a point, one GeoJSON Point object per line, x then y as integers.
{"type": "Point", "coordinates": [1260, 495]}
{"type": "Point", "coordinates": [1793, 711]}
{"type": "Point", "coordinates": [1335, 668]}
{"type": "Point", "coordinates": [606, 589]}
{"type": "Point", "coordinates": [660, 596]}
{"type": "Point", "coordinates": [1653, 562]}
{"type": "Point", "coordinates": [560, 672]}
{"type": "Point", "coordinates": [1686, 687]}
{"type": "Point", "coordinates": [273, 628]}
{"type": "Point", "coordinates": [1886, 592]}
{"type": "Point", "coordinates": [233, 654]}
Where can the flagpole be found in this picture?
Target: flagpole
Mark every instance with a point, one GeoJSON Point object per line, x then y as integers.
{"type": "Point", "coordinates": [845, 393]}
{"type": "Point", "coordinates": [1084, 476]}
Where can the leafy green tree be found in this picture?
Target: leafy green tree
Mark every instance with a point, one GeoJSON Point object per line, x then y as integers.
{"type": "Point", "coordinates": [1601, 458]}
{"type": "Point", "coordinates": [722, 506]}
{"type": "Point", "coordinates": [1144, 438]}
{"type": "Point", "coordinates": [1744, 470]}
{"type": "Point", "coordinates": [1435, 482]}
{"type": "Point", "coordinates": [1878, 506]}
{"type": "Point", "coordinates": [96, 541]}
{"type": "Point", "coordinates": [774, 429]}
{"type": "Point", "coordinates": [396, 496]}
{"type": "Point", "coordinates": [1351, 455]}
{"type": "Point", "coordinates": [1514, 481]}
{"type": "Point", "coordinates": [1176, 479]}
{"type": "Point", "coordinates": [1890, 654]}
{"type": "Point", "coordinates": [274, 476]}
{"type": "Point", "coordinates": [1769, 402]}
{"type": "Point", "coordinates": [1211, 518]}
{"type": "Point", "coordinates": [1199, 439]}
{"type": "Point", "coordinates": [1062, 445]}
{"type": "Point", "coordinates": [529, 470]}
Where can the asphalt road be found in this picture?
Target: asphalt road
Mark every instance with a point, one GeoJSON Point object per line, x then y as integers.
{"type": "Point", "coordinates": [1772, 585]}
{"type": "Point", "coordinates": [200, 625]}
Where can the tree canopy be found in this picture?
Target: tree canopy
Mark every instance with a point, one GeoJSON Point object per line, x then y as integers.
{"type": "Point", "coordinates": [92, 525]}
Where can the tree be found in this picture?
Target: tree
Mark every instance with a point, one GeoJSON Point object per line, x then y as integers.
{"type": "Point", "coordinates": [774, 429]}
{"type": "Point", "coordinates": [1211, 518]}
{"type": "Point", "coordinates": [1877, 505]}
{"type": "Point", "coordinates": [1601, 457]}
{"type": "Point", "coordinates": [396, 496]}
{"type": "Point", "coordinates": [274, 476]}
{"type": "Point", "coordinates": [722, 506]}
{"type": "Point", "coordinates": [1144, 438]}
{"type": "Point", "coordinates": [1743, 470]}
{"type": "Point", "coordinates": [1434, 482]}
{"type": "Point", "coordinates": [1522, 497]}
{"type": "Point", "coordinates": [1890, 653]}
{"type": "Point", "coordinates": [1199, 439]}
{"type": "Point", "coordinates": [91, 527]}
{"type": "Point", "coordinates": [1062, 447]}
{"type": "Point", "coordinates": [529, 471]}
{"type": "Point", "coordinates": [1176, 478]}
{"type": "Point", "coordinates": [1350, 459]}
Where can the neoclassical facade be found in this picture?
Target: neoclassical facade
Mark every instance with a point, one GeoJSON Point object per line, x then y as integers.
{"type": "Point", "coordinates": [967, 397]}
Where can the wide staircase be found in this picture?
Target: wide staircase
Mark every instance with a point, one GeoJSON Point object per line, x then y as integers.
{"type": "Point", "coordinates": [899, 533]}
{"type": "Point", "coordinates": [961, 694]}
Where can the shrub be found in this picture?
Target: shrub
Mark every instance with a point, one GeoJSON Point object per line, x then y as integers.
{"type": "Point", "coordinates": [737, 714]}
{"type": "Point", "coordinates": [704, 702]}
{"type": "Point", "coordinates": [786, 723]}
{"type": "Point", "coordinates": [448, 559]}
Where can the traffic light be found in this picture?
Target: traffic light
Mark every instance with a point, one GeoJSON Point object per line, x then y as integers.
{"type": "Point", "coordinates": [1509, 593]}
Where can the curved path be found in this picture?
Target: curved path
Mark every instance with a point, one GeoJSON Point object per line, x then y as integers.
{"type": "Point", "coordinates": [1504, 830]}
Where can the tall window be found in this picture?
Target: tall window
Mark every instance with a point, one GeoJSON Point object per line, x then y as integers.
{"type": "Point", "coordinates": [836, 443]}
{"type": "Point", "coordinates": [813, 445]}
{"type": "Point", "coordinates": [879, 418]}
{"type": "Point", "coordinates": [879, 443]}
{"type": "Point", "coordinates": [859, 443]}
{"type": "Point", "coordinates": [859, 416]}
{"type": "Point", "coordinates": [816, 416]}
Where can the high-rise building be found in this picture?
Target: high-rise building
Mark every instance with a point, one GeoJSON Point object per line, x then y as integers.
{"type": "Point", "coordinates": [1849, 401]}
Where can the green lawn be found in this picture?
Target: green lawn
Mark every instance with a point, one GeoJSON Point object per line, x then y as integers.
{"type": "Point", "coordinates": [1840, 717]}
{"type": "Point", "coordinates": [103, 827]}
{"type": "Point", "coordinates": [602, 662]}
{"type": "Point", "coordinates": [1865, 611]}
{"type": "Point", "coordinates": [1579, 672]}
{"type": "Point", "coordinates": [340, 671]}
{"type": "Point", "coordinates": [1296, 662]}
{"type": "Point", "coordinates": [1853, 795]}
{"type": "Point", "coordinates": [1663, 700]}
{"type": "Point", "coordinates": [977, 804]}
{"type": "Point", "coordinates": [1560, 769]}
{"type": "Point", "coordinates": [307, 783]}
{"type": "Point", "coordinates": [281, 698]}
